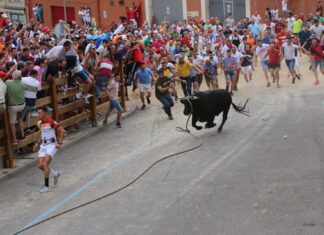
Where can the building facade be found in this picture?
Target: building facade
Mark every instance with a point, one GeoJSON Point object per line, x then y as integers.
{"type": "Point", "coordinates": [15, 9]}
{"type": "Point", "coordinates": [103, 13]}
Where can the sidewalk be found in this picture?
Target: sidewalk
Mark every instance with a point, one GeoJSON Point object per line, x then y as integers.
{"type": "Point", "coordinates": [22, 162]}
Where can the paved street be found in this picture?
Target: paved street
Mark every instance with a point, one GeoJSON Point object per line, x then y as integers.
{"type": "Point", "coordinates": [248, 180]}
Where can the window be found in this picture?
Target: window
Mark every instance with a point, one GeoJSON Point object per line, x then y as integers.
{"type": "Point", "coordinates": [17, 17]}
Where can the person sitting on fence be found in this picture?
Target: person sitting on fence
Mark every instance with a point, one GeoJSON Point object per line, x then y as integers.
{"type": "Point", "coordinates": [67, 50]}
{"type": "Point", "coordinates": [104, 75]}
{"type": "Point", "coordinates": [16, 101]}
{"type": "Point", "coordinates": [3, 91]}
{"type": "Point", "coordinates": [54, 67]}
{"type": "Point", "coordinates": [31, 88]}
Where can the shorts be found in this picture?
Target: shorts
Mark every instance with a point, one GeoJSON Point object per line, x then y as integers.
{"type": "Point", "coordinates": [84, 75]}
{"type": "Point", "coordinates": [265, 64]}
{"type": "Point", "coordinates": [247, 69]}
{"type": "Point", "coordinates": [47, 150]}
{"type": "Point", "coordinates": [315, 64]}
{"type": "Point", "coordinates": [145, 87]}
{"type": "Point", "coordinates": [2, 108]}
{"type": "Point", "coordinates": [115, 104]}
{"type": "Point", "coordinates": [199, 78]}
{"type": "Point", "coordinates": [290, 64]}
{"type": "Point", "coordinates": [13, 112]}
{"type": "Point", "coordinates": [274, 66]}
{"type": "Point", "coordinates": [26, 110]}
{"type": "Point", "coordinates": [230, 76]}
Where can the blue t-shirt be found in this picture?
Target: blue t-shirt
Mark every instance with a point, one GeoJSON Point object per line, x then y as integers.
{"type": "Point", "coordinates": [266, 41]}
{"type": "Point", "coordinates": [304, 36]}
{"type": "Point", "coordinates": [254, 28]}
{"type": "Point", "coordinates": [144, 76]}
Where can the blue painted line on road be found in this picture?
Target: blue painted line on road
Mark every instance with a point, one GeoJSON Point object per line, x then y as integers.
{"type": "Point", "coordinates": [98, 177]}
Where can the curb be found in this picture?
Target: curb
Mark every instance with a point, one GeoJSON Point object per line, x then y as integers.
{"type": "Point", "coordinates": [90, 131]}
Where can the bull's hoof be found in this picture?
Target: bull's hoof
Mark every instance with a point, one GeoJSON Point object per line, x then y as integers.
{"type": "Point", "coordinates": [210, 125]}
{"type": "Point", "coordinates": [198, 127]}
{"type": "Point", "coordinates": [219, 130]}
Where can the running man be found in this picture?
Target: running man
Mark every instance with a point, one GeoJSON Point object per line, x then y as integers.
{"type": "Point", "coordinates": [229, 65]}
{"type": "Point", "coordinates": [162, 86]}
{"type": "Point", "coordinates": [144, 77]}
{"type": "Point", "coordinates": [262, 52]}
{"type": "Point", "coordinates": [50, 140]}
{"type": "Point", "coordinates": [112, 93]}
{"type": "Point", "coordinates": [246, 64]}
{"type": "Point", "coordinates": [317, 58]}
{"type": "Point", "coordinates": [289, 52]}
{"type": "Point", "coordinates": [274, 62]}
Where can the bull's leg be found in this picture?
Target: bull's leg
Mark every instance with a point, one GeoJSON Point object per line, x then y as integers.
{"type": "Point", "coordinates": [210, 123]}
{"type": "Point", "coordinates": [220, 128]}
{"type": "Point", "coordinates": [194, 121]}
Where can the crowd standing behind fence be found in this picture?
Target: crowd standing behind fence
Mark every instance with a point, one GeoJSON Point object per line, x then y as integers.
{"type": "Point", "coordinates": [69, 74]}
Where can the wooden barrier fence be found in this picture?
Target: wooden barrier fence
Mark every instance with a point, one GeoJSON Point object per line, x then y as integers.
{"type": "Point", "coordinates": [68, 110]}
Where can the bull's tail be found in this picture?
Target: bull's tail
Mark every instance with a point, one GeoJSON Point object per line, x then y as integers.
{"type": "Point", "coordinates": [240, 109]}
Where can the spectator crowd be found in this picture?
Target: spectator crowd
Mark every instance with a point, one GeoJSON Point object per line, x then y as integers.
{"type": "Point", "coordinates": [170, 54]}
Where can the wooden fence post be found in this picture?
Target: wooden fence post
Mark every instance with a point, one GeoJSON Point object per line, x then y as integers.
{"type": "Point", "coordinates": [8, 160]}
{"type": "Point", "coordinates": [122, 82]}
{"type": "Point", "coordinates": [93, 107]}
{"type": "Point", "coordinates": [53, 89]}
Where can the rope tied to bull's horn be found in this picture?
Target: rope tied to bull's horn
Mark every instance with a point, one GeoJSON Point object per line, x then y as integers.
{"type": "Point", "coordinates": [180, 129]}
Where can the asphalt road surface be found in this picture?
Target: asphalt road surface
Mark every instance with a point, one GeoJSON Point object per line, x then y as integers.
{"type": "Point", "coordinates": [263, 175]}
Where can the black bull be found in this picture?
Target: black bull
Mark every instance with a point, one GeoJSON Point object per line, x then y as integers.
{"type": "Point", "coordinates": [204, 106]}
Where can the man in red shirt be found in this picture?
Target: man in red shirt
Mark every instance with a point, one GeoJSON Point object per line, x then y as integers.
{"type": "Point", "coordinates": [280, 25]}
{"type": "Point", "coordinates": [274, 62]}
{"type": "Point", "coordinates": [281, 37]}
{"type": "Point", "coordinates": [316, 51]}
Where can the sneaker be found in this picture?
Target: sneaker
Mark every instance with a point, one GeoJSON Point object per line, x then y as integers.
{"type": "Point", "coordinates": [45, 189]}
{"type": "Point", "coordinates": [104, 122]}
{"type": "Point", "coordinates": [170, 118]}
{"type": "Point", "coordinates": [317, 82]}
{"type": "Point", "coordinates": [293, 80]}
{"type": "Point", "coordinates": [56, 178]}
{"type": "Point", "coordinates": [88, 96]}
{"type": "Point", "coordinates": [148, 100]}
{"type": "Point", "coordinates": [118, 125]}
{"type": "Point", "coordinates": [249, 83]}
{"type": "Point", "coordinates": [298, 76]}
{"type": "Point", "coordinates": [268, 85]}
{"type": "Point", "coordinates": [143, 106]}
{"type": "Point", "coordinates": [84, 99]}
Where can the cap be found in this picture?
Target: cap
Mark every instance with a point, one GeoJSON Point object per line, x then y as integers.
{"type": "Point", "coordinates": [46, 29]}
{"type": "Point", "coordinates": [4, 15]}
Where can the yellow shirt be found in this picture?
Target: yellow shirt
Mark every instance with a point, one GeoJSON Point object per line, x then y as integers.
{"type": "Point", "coordinates": [184, 69]}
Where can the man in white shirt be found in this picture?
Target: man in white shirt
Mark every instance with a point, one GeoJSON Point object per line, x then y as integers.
{"type": "Point", "coordinates": [3, 91]}
{"type": "Point", "coordinates": [289, 52]}
{"type": "Point", "coordinates": [256, 17]}
{"type": "Point", "coordinates": [262, 53]}
{"type": "Point", "coordinates": [317, 29]}
{"type": "Point", "coordinates": [229, 21]}
{"type": "Point", "coordinates": [31, 88]}
{"type": "Point", "coordinates": [284, 4]}
{"type": "Point", "coordinates": [237, 55]}
{"type": "Point", "coordinates": [290, 19]}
